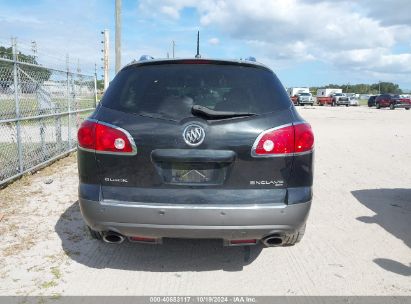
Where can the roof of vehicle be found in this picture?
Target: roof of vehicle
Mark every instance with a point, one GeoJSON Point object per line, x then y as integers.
{"type": "Point", "coordinates": [197, 61]}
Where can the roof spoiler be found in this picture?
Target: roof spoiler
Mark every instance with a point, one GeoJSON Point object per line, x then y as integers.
{"type": "Point", "coordinates": [251, 58]}
{"type": "Point", "coordinates": [146, 57]}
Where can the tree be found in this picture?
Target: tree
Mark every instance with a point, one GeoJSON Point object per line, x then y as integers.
{"type": "Point", "coordinates": [28, 84]}
{"type": "Point", "coordinates": [100, 84]}
{"type": "Point", "coordinates": [386, 87]}
{"type": "Point", "coordinates": [362, 88]}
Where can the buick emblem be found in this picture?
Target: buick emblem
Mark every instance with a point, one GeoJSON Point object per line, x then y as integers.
{"type": "Point", "coordinates": [193, 135]}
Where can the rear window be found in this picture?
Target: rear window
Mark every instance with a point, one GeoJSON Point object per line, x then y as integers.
{"type": "Point", "coordinates": [170, 90]}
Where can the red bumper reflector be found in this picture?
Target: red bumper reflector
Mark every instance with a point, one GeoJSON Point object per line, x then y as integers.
{"type": "Point", "coordinates": [236, 242]}
{"type": "Point", "coordinates": [142, 239]}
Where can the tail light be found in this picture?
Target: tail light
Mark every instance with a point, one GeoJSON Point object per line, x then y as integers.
{"type": "Point", "coordinates": [104, 138]}
{"type": "Point", "coordinates": [290, 139]}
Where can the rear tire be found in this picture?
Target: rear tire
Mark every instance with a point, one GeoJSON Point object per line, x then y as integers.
{"type": "Point", "coordinates": [377, 105]}
{"type": "Point", "coordinates": [95, 234]}
{"type": "Point", "coordinates": [292, 239]}
{"type": "Point", "coordinates": [347, 105]}
{"type": "Point", "coordinates": [333, 104]}
{"type": "Point", "coordinates": [392, 106]}
{"type": "Point", "coordinates": [407, 108]}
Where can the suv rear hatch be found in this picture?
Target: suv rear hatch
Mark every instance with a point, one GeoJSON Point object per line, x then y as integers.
{"type": "Point", "coordinates": [233, 103]}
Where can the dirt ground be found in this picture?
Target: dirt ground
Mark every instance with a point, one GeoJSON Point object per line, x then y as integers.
{"type": "Point", "coordinates": [358, 238]}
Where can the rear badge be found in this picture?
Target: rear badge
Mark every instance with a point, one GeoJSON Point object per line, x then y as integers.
{"type": "Point", "coordinates": [193, 135]}
{"type": "Point", "coordinates": [267, 183]}
{"type": "Point", "coordinates": [116, 180]}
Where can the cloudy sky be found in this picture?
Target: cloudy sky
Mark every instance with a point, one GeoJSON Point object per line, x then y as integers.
{"type": "Point", "coordinates": [306, 42]}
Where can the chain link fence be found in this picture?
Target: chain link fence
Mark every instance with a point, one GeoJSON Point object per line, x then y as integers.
{"type": "Point", "coordinates": [40, 111]}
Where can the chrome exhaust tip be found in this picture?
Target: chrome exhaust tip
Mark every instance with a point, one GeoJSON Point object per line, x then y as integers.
{"type": "Point", "coordinates": [112, 237]}
{"type": "Point", "coordinates": [273, 241]}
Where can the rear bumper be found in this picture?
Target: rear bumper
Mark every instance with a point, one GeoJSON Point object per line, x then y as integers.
{"type": "Point", "coordinates": [402, 105]}
{"type": "Point", "coordinates": [226, 222]}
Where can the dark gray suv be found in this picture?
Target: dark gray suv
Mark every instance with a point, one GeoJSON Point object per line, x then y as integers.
{"type": "Point", "coordinates": [195, 148]}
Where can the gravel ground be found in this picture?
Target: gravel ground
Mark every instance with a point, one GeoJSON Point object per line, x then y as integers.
{"type": "Point", "coordinates": [358, 239]}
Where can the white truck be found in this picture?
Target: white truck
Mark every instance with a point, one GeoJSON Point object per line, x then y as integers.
{"type": "Point", "coordinates": [294, 91]}
{"type": "Point", "coordinates": [300, 96]}
{"type": "Point", "coordinates": [327, 92]}
{"type": "Point", "coordinates": [333, 97]}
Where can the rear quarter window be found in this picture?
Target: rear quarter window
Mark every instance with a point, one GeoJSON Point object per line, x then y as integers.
{"type": "Point", "coordinates": [170, 90]}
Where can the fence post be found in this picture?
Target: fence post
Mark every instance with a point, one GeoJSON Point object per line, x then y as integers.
{"type": "Point", "coordinates": [17, 105]}
{"type": "Point", "coordinates": [43, 137]}
{"type": "Point", "coordinates": [95, 90]}
{"type": "Point", "coordinates": [68, 104]}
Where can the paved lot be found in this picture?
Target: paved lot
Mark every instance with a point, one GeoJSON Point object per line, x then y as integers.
{"type": "Point", "coordinates": [358, 239]}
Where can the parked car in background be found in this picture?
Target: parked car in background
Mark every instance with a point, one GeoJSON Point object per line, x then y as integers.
{"type": "Point", "coordinates": [294, 93]}
{"type": "Point", "coordinates": [335, 99]}
{"type": "Point", "coordinates": [196, 148]}
{"type": "Point", "coordinates": [353, 101]}
{"type": "Point", "coordinates": [371, 101]}
{"type": "Point", "coordinates": [392, 101]}
{"type": "Point", "coordinates": [327, 92]}
{"type": "Point", "coordinates": [304, 99]}
{"type": "Point", "coordinates": [6, 87]}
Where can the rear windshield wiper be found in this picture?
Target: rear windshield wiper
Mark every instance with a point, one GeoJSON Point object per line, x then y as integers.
{"type": "Point", "coordinates": [212, 114]}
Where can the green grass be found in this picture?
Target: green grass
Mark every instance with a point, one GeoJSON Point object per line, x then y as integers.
{"type": "Point", "coordinates": [363, 102]}
{"type": "Point", "coordinates": [30, 106]}
{"type": "Point", "coordinates": [48, 284]}
{"type": "Point", "coordinates": [56, 272]}
{"type": "Point", "coordinates": [33, 151]}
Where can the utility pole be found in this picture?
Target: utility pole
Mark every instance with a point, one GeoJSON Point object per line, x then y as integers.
{"type": "Point", "coordinates": [105, 57]}
{"type": "Point", "coordinates": [78, 66]}
{"type": "Point", "coordinates": [173, 43]}
{"type": "Point", "coordinates": [118, 35]}
{"type": "Point", "coordinates": [67, 63]}
{"type": "Point", "coordinates": [34, 50]}
{"type": "Point", "coordinates": [95, 85]}
{"type": "Point", "coordinates": [198, 45]}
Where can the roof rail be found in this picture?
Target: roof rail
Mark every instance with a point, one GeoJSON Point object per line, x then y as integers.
{"type": "Point", "coordinates": [251, 58]}
{"type": "Point", "coordinates": [145, 57]}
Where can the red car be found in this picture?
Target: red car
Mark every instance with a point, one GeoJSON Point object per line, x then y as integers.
{"type": "Point", "coordinates": [392, 101]}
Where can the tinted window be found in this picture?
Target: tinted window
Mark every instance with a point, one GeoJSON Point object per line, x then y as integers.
{"type": "Point", "coordinates": [170, 90]}
{"type": "Point", "coordinates": [305, 94]}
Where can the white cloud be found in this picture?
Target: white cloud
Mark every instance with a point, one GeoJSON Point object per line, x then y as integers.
{"type": "Point", "coordinates": [346, 34]}
{"type": "Point", "coordinates": [214, 41]}
{"type": "Point", "coordinates": [18, 18]}
{"type": "Point", "coordinates": [170, 11]}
